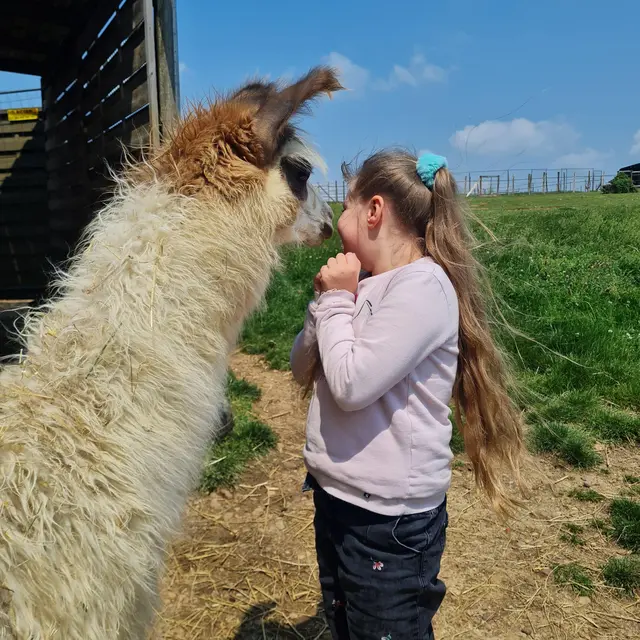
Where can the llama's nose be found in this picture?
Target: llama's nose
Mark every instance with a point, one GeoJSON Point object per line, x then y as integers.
{"type": "Point", "coordinates": [327, 231]}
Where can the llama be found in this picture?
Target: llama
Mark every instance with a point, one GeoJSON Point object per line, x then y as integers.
{"type": "Point", "coordinates": [105, 423]}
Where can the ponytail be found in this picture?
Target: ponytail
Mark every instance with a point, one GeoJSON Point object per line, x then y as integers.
{"type": "Point", "coordinates": [490, 423]}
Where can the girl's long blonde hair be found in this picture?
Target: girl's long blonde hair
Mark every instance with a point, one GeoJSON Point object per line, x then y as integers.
{"type": "Point", "coordinates": [488, 418]}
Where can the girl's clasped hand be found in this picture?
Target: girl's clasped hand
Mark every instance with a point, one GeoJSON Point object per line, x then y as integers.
{"type": "Point", "coordinates": [339, 274]}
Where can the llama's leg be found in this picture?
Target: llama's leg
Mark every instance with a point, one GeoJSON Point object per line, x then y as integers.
{"type": "Point", "coordinates": [226, 419]}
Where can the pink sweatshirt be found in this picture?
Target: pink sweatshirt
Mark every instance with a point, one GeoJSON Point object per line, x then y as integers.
{"type": "Point", "coordinates": [378, 427]}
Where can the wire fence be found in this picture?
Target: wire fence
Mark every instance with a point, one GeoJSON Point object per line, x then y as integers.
{"type": "Point", "coordinates": [473, 183]}
{"type": "Point", "coordinates": [507, 182]}
{"type": "Point", "coordinates": [21, 99]}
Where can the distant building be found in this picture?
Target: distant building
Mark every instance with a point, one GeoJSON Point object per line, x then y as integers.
{"type": "Point", "coordinates": [634, 171]}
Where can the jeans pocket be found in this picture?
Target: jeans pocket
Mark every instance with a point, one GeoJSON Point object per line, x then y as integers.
{"type": "Point", "coordinates": [411, 534]}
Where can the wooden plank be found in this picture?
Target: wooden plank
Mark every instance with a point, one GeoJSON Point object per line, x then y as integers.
{"type": "Point", "coordinates": [125, 63]}
{"type": "Point", "coordinates": [32, 126]}
{"type": "Point", "coordinates": [18, 63]}
{"type": "Point", "coordinates": [126, 100]}
{"type": "Point", "coordinates": [129, 58]}
{"type": "Point", "coordinates": [23, 196]}
{"type": "Point", "coordinates": [68, 175]}
{"type": "Point", "coordinates": [24, 283]}
{"type": "Point", "coordinates": [65, 130]}
{"type": "Point", "coordinates": [63, 106]}
{"type": "Point", "coordinates": [30, 40]}
{"type": "Point", "coordinates": [71, 222]}
{"type": "Point", "coordinates": [131, 132]}
{"type": "Point", "coordinates": [23, 214]}
{"type": "Point", "coordinates": [64, 203]}
{"type": "Point", "coordinates": [167, 63]}
{"type": "Point", "coordinates": [97, 15]}
{"type": "Point", "coordinates": [49, 13]}
{"type": "Point", "coordinates": [26, 266]}
{"type": "Point", "coordinates": [127, 19]}
{"type": "Point", "coordinates": [28, 160]}
{"type": "Point", "coordinates": [23, 246]}
{"type": "Point", "coordinates": [71, 151]}
{"type": "Point", "coordinates": [19, 230]}
{"type": "Point", "coordinates": [21, 143]}
{"type": "Point", "coordinates": [152, 73]}
{"type": "Point", "coordinates": [18, 179]}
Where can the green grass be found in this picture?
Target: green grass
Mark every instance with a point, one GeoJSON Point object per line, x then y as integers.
{"type": "Point", "coordinates": [250, 438]}
{"type": "Point", "coordinates": [572, 444]}
{"type": "Point", "coordinates": [571, 534]}
{"type": "Point", "coordinates": [601, 526]}
{"type": "Point", "coordinates": [567, 270]}
{"type": "Point", "coordinates": [586, 495]}
{"type": "Point", "coordinates": [625, 521]}
{"type": "Point", "coordinates": [623, 573]}
{"type": "Point", "coordinates": [633, 485]}
{"type": "Point", "coordinates": [574, 576]}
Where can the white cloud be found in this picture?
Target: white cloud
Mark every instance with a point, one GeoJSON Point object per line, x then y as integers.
{"type": "Point", "coordinates": [636, 143]}
{"type": "Point", "coordinates": [493, 137]}
{"type": "Point", "coordinates": [418, 72]}
{"type": "Point", "coordinates": [357, 78]}
{"type": "Point", "coordinates": [352, 76]}
{"type": "Point", "coordinates": [587, 158]}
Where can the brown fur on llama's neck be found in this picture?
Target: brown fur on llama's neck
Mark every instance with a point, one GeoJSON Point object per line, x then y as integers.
{"type": "Point", "coordinates": [226, 146]}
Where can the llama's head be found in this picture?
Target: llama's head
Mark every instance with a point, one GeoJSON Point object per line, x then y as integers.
{"type": "Point", "coordinates": [244, 148]}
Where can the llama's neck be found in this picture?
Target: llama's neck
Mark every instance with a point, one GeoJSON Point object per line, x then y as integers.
{"type": "Point", "coordinates": [161, 277]}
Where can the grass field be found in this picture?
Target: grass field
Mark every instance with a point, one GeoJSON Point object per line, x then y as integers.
{"type": "Point", "coordinates": [566, 272]}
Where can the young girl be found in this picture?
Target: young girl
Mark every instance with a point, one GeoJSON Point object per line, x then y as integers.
{"type": "Point", "coordinates": [385, 354]}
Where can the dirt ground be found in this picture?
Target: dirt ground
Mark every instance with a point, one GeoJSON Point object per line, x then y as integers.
{"type": "Point", "coordinates": [245, 565]}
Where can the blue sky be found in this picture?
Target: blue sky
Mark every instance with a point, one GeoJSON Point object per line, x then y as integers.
{"type": "Point", "coordinates": [491, 85]}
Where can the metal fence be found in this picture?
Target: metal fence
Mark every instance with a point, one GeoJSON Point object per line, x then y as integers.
{"type": "Point", "coordinates": [20, 99]}
{"type": "Point", "coordinates": [506, 182]}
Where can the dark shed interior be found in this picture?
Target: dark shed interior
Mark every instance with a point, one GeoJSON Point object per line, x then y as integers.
{"type": "Point", "coordinates": [108, 75]}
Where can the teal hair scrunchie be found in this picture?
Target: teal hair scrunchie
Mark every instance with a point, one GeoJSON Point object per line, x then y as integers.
{"type": "Point", "coordinates": [427, 167]}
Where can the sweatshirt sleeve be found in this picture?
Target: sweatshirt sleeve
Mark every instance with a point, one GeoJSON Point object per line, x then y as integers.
{"type": "Point", "coordinates": [413, 319]}
{"type": "Point", "coordinates": [303, 345]}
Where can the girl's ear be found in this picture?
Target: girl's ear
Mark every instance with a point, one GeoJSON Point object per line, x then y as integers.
{"type": "Point", "coordinates": [374, 211]}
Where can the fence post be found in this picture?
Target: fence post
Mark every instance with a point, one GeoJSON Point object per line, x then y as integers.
{"type": "Point", "coordinates": [498, 186]}
{"type": "Point", "coordinates": [588, 185]}
{"type": "Point", "coordinates": [480, 186]}
{"type": "Point", "coordinates": [558, 185]}
{"type": "Point", "coordinates": [465, 186]}
{"type": "Point", "coordinates": [573, 188]}
{"type": "Point", "coordinates": [513, 184]}
{"type": "Point", "coordinates": [529, 183]}
{"type": "Point", "coordinates": [508, 181]}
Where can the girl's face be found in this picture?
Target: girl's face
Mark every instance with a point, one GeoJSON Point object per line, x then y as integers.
{"type": "Point", "coordinates": [352, 226]}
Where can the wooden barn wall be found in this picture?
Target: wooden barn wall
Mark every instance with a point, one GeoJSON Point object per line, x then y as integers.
{"type": "Point", "coordinates": [96, 96]}
{"type": "Point", "coordinates": [24, 216]}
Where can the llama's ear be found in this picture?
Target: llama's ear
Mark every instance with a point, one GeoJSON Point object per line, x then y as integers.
{"type": "Point", "coordinates": [279, 107]}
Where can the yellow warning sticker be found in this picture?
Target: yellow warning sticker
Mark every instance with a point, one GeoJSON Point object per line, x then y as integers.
{"type": "Point", "coordinates": [30, 113]}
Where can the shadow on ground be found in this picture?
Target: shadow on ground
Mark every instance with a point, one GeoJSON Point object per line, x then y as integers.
{"type": "Point", "coordinates": [256, 626]}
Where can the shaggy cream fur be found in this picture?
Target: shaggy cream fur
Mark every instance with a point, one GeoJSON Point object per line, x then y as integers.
{"type": "Point", "coordinates": [104, 425]}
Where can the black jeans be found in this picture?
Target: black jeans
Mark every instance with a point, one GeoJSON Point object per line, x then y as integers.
{"type": "Point", "coordinates": [378, 574]}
